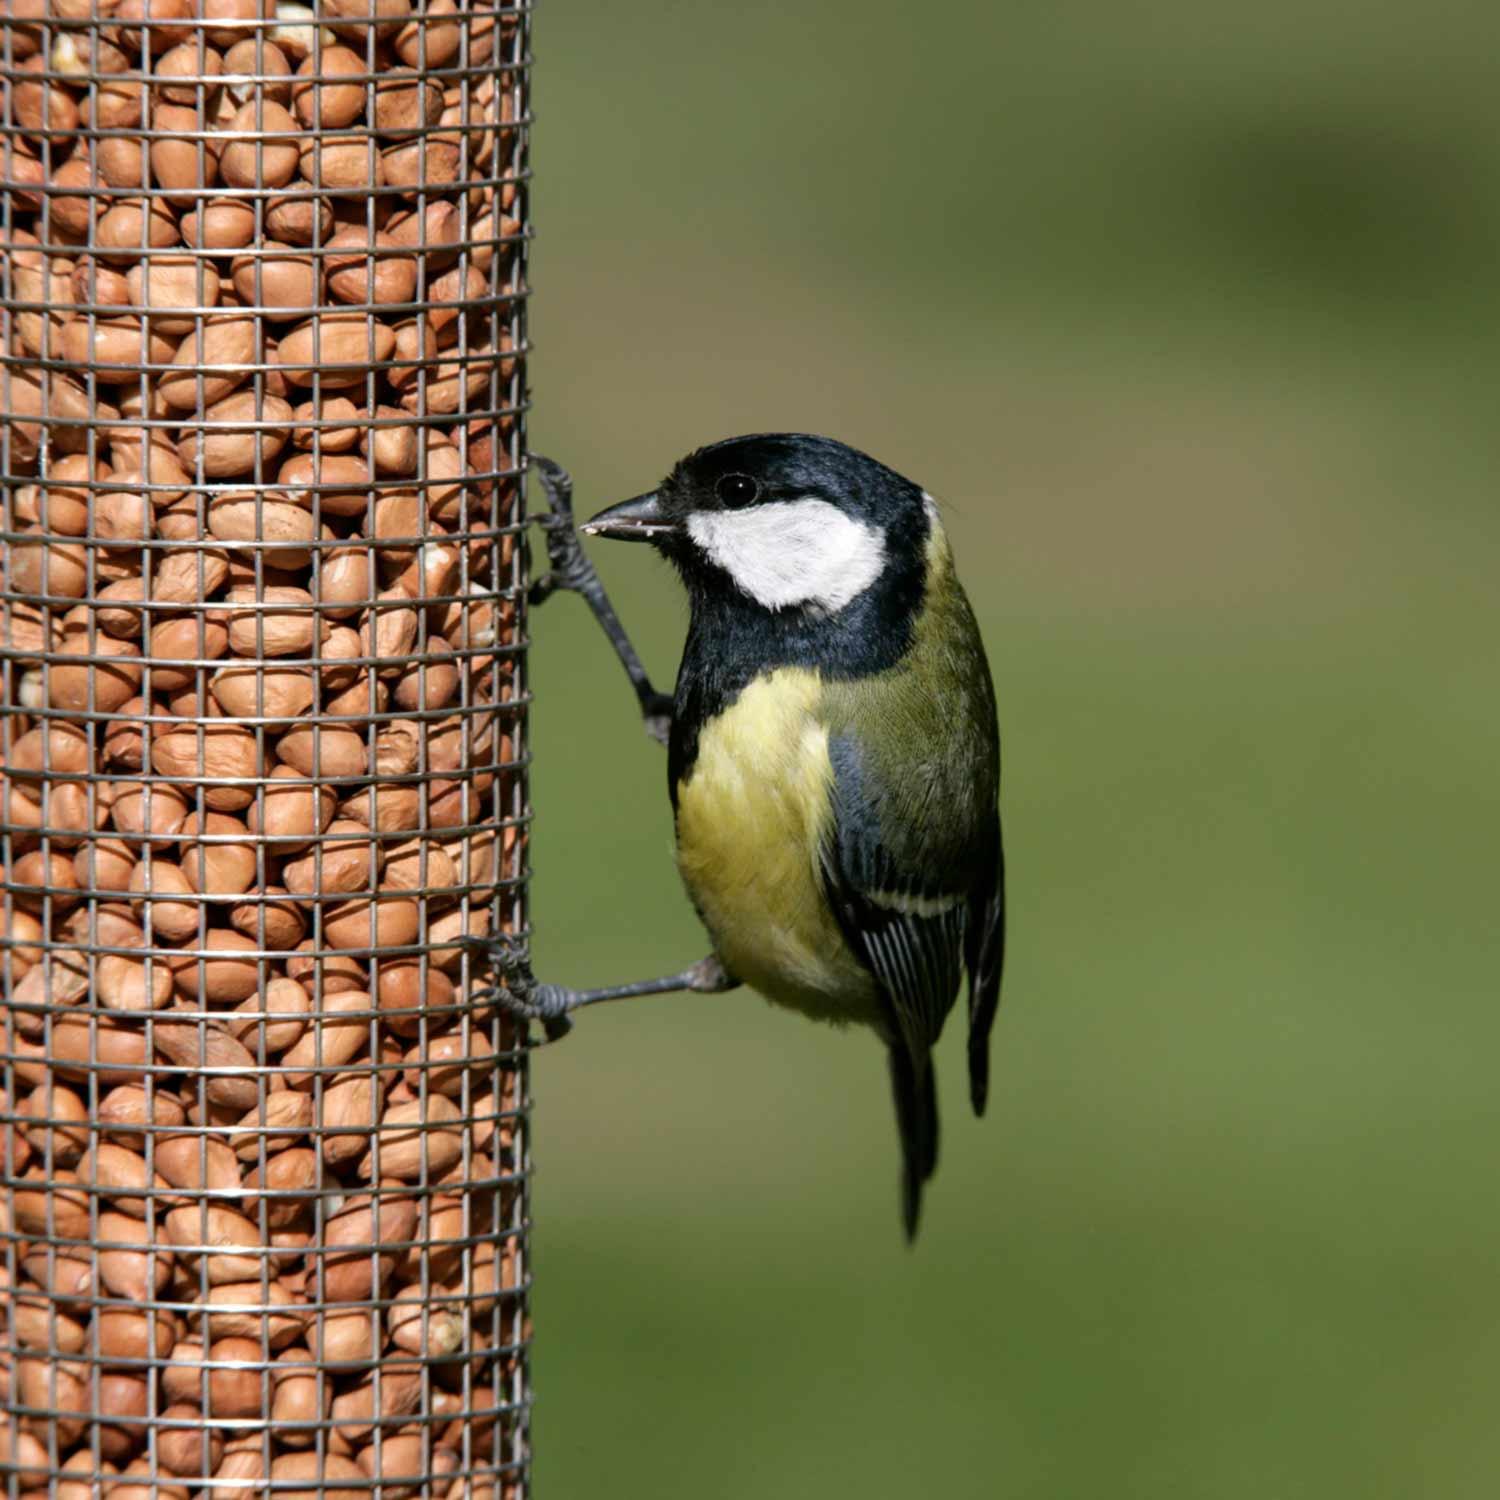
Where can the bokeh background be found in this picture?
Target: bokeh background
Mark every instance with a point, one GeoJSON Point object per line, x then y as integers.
{"type": "Point", "coordinates": [1188, 314]}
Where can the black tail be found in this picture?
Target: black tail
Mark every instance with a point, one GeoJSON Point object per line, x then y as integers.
{"type": "Point", "coordinates": [986, 958]}
{"type": "Point", "coordinates": [914, 1088]}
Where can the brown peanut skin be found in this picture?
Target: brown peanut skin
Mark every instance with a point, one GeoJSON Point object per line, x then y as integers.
{"type": "Point", "coordinates": [253, 495]}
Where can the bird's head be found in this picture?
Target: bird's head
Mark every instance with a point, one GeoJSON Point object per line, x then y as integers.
{"type": "Point", "coordinates": [785, 520]}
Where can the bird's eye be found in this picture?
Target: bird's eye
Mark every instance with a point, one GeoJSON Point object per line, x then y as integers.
{"type": "Point", "coordinates": [736, 490]}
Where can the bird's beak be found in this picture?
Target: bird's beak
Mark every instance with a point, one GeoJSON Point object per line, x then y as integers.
{"type": "Point", "coordinates": [638, 520]}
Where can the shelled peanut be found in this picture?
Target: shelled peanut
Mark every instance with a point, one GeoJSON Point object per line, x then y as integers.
{"type": "Point", "coordinates": [258, 744]}
{"type": "Point", "coordinates": [286, 1202]}
{"type": "Point", "coordinates": [223, 1267]}
{"type": "Point", "coordinates": [256, 189]}
{"type": "Point", "coordinates": [228, 1270]}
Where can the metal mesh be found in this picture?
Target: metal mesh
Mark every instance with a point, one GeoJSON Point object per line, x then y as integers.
{"type": "Point", "coordinates": [263, 1136]}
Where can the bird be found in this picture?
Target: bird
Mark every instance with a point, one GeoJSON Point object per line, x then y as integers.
{"type": "Point", "coordinates": [833, 753]}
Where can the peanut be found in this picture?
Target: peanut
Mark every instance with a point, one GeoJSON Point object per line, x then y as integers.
{"type": "Point", "coordinates": [272, 516]}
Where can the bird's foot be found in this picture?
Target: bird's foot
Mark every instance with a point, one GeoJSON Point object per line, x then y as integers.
{"type": "Point", "coordinates": [519, 993]}
{"type": "Point", "coordinates": [571, 568]}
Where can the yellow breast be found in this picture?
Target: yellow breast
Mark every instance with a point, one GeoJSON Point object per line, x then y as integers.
{"type": "Point", "coordinates": [750, 817]}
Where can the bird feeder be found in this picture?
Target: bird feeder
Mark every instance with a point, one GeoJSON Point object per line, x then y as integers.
{"type": "Point", "coordinates": [263, 1132]}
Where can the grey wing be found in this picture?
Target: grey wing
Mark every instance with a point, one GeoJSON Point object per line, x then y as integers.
{"type": "Point", "coordinates": [908, 924]}
{"type": "Point", "coordinates": [905, 918]}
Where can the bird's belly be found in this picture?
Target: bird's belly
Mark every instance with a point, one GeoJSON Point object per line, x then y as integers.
{"type": "Point", "coordinates": [750, 817]}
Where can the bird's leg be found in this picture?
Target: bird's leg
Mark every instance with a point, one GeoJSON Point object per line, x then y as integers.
{"type": "Point", "coordinates": [519, 993]}
{"type": "Point", "coordinates": [572, 570]}
{"type": "Point", "coordinates": [516, 989]}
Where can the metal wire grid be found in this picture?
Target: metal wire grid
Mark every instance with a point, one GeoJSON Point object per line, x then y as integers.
{"type": "Point", "coordinates": [262, 714]}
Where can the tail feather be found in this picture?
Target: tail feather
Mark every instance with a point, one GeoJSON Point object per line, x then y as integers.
{"type": "Point", "coordinates": [986, 959]}
{"type": "Point", "coordinates": [979, 1074]}
{"type": "Point", "coordinates": [914, 1089]}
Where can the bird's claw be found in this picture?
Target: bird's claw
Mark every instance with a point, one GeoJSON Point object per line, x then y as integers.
{"type": "Point", "coordinates": [557, 485]}
{"type": "Point", "coordinates": [517, 990]}
{"type": "Point", "coordinates": [570, 569]}
{"type": "Point", "coordinates": [570, 566]}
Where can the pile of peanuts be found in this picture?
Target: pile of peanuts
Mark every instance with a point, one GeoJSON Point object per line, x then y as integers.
{"type": "Point", "coordinates": [262, 1154]}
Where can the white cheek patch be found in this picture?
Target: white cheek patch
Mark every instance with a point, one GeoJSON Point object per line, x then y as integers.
{"type": "Point", "coordinates": [792, 552]}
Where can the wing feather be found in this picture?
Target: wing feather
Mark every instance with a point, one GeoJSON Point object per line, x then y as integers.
{"type": "Point", "coordinates": [913, 938]}
{"type": "Point", "coordinates": [911, 860]}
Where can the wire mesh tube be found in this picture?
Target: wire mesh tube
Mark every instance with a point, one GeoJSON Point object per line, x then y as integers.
{"type": "Point", "coordinates": [263, 1152]}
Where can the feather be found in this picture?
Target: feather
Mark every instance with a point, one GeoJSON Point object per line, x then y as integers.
{"type": "Point", "coordinates": [914, 1091]}
{"type": "Point", "coordinates": [914, 937]}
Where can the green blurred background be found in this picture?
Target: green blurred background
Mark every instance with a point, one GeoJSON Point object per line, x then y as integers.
{"type": "Point", "coordinates": [1188, 314]}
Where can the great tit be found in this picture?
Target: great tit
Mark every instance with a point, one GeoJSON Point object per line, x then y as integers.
{"type": "Point", "coordinates": [833, 753]}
